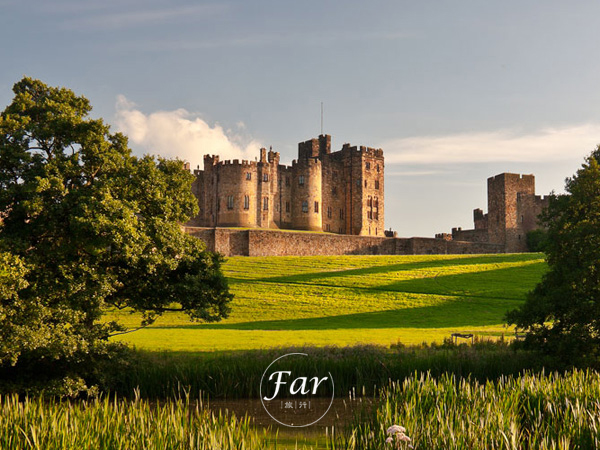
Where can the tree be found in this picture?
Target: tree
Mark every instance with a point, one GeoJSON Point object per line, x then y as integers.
{"type": "Point", "coordinates": [562, 314]}
{"type": "Point", "coordinates": [536, 240]}
{"type": "Point", "coordinates": [87, 226]}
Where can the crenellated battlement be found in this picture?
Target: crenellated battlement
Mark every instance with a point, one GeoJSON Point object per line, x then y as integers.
{"type": "Point", "coordinates": [339, 192]}
{"type": "Point", "coordinates": [364, 150]}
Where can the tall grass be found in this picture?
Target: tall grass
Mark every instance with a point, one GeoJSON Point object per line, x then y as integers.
{"type": "Point", "coordinates": [360, 368]}
{"type": "Point", "coordinates": [136, 424]}
{"type": "Point", "coordinates": [527, 412]}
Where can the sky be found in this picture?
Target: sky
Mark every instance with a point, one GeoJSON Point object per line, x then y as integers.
{"type": "Point", "coordinates": [453, 91]}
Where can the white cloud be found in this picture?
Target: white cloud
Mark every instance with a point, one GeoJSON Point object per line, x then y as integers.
{"type": "Point", "coordinates": [547, 144]}
{"type": "Point", "coordinates": [179, 134]}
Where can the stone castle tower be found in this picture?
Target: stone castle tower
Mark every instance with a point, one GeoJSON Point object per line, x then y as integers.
{"type": "Point", "coordinates": [340, 192]}
{"type": "Point", "coordinates": [513, 209]}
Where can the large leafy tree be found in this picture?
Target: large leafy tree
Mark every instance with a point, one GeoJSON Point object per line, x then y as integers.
{"type": "Point", "coordinates": [562, 314]}
{"type": "Point", "coordinates": [85, 226]}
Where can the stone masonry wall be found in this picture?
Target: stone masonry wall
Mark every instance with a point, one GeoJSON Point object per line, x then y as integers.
{"type": "Point", "coordinates": [477, 235]}
{"type": "Point", "coordinates": [231, 242]}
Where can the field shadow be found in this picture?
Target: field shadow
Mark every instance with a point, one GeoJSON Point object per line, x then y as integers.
{"type": "Point", "coordinates": [405, 266]}
{"type": "Point", "coordinates": [503, 283]}
{"type": "Point", "coordinates": [445, 315]}
{"type": "Point", "coordinates": [473, 299]}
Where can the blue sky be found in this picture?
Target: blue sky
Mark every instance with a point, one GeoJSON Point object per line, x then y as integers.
{"type": "Point", "coordinates": [453, 91]}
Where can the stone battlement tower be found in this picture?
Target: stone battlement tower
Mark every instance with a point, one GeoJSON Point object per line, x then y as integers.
{"type": "Point", "coordinates": [513, 210]}
{"type": "Point", "coordinates": [340, 192]}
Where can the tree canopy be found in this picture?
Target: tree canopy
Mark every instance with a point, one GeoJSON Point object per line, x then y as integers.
{"type": "Point", "coordinates": [562, 314]}
{"type": "Point", "coordinates": [84, 226]}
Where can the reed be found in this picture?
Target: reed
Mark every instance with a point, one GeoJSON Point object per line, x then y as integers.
{"type": "Point", "coordinates": [103, 424]}
{"type": "Point", "coordinates": [533, 411]}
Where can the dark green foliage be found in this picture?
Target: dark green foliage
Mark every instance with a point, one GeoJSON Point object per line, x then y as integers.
{"type": "Point", "coordinates": [536, 240]}
{"type": "Point", "coordinates": [562, 314]}
{"type": "Point", "coordinates": [84, 226]}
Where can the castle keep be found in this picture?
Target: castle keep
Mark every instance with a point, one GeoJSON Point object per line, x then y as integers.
{"type": "Point", "coordinates": [513, 209]}
{"type": "Point", "coordinates": [340, 192]}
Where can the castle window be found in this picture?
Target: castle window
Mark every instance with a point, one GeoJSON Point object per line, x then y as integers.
{"type": "Point", "coordinates": [287, 181]}
{"type": "Point", "coordinates": [358, 183]}
{"type": "Point", "coordinates": [287, 207]}
{"type": "Point", "coordinates": [265, 177]}
{"type": "Point", "coordinates": [369, 214]}
{"type": "Point", "coordinates": [368, 166]}
{"type": "Point", "coordinates": [230, 202]}
{"type": "Point", "coordinates": [248, 176]}
{"type": "Point", "coordinates": [301, 180]}
{"type": "Point", "coordinates": [334, 190]}
{"type": "Point", "coordinates": [316, 207]}
{"type": "Point", "coordinates": [376, 203]}
{"type": "Point", "coordinates": [246, 202]}
{"type": "Point", "coordinates": [370, 202]}
{"type": "Point", "coordinates": [341, 213]}
{"type": "Point", "coordinates": [305, 206]}
{"type": "Point", "coordinates": [376, 214]}
{"type": "Point", "coordinates": [265, 203]}
{"type": "Point", "coordinates": [376, 184]}
{"type": "Point", "coordinates": [377, 167]}
{"type": "Point", "coordinates": [365, 183]}
{"type": "Point", "coordinates": [329, 212]}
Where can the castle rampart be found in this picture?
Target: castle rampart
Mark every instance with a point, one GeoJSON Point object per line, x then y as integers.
{"type": "Point", "coordinates": [254, 242]}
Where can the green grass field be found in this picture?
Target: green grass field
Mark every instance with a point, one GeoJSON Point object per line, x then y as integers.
{"type": "Point", "coordinates": [346, 300]}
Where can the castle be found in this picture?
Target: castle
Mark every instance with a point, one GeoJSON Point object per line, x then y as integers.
{"type": "Point", "coordinates": [340, 192]}
{"type": "Point", "coordinates": [513, 209]}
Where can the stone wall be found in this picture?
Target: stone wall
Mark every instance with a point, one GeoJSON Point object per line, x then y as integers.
{"type": "Point", "coordinates": [234, 242]}
{"type": "Point", "coordinates": [476, 235]}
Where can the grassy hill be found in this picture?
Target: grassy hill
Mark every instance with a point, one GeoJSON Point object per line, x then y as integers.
{"type": "Point", "coordinates": [345, 300]}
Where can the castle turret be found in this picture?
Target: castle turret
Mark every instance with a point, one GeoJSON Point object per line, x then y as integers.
{"type": "Point", "coordinates": [307, 186]}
